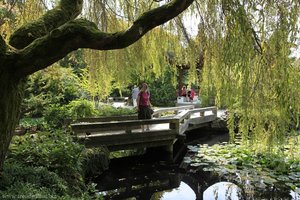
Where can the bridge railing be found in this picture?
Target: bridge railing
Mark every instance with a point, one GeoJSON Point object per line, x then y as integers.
{"type": "Point", "coordinates": [127, 126]}
{"type": "Point", "coordinates": [179, 122]}
{"type": "Point", "coordinates": [120, 135]}
{"type": "Point", "coordinates": [158, 112]}
{"type": "Point", "coordinates": [182, 121]}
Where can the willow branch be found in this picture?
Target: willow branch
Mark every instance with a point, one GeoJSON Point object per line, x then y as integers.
{"type": "Point", "coordinates": [85, 34]}
{"type": "Point", "coordinates": [66, 10]}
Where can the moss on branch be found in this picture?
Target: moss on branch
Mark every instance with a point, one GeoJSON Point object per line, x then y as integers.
{"type": "Point", "coordinates": [67, 10]}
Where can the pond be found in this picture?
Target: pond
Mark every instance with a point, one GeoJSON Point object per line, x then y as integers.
{"type": "Point", "coordinates": [144, 177]}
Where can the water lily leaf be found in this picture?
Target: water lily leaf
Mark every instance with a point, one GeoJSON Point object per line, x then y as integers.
{"type": "Point", "coordinates": [269, 180]}
{"type": "Point", "coordinates": [207, 169]}
{"type": "Point", "coordinates": [187, 160]}
{"type": "Point", "coordinates": [282, 178]}
{"type": "Point", "coordinates": [261, 185]}
{"type": "Point", "coordinates": [199, 164]}
{"type": "Point", "coordinates": [200, 155]}
{"type": "Point", "coordinates": [193, 149]}
{"type": "Point", "coordinates": [291, 185]}
{"type": "Point", "coordinates": [294, 177]}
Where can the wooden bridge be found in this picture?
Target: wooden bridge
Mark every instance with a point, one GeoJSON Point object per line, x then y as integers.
{"type": "Point", "coordinates": [167, 126]}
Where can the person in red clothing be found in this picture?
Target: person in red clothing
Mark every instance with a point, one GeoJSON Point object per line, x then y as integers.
{"type": "Point", "coordinates": [190, 94]}
{"type": "Point", "coordinates": [183, 92]}
{"type": "Point", "coordinates": [144, 105]}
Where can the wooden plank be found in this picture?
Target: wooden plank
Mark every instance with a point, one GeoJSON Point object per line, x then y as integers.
{"type": "Point", "coordinates": [131, 141]}
{"type": "Point", "coordinates": [113, 126]}
{"type": "Point", "coordinates": [108, 139]}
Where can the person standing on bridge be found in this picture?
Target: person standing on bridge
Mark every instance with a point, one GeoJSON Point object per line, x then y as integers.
{"type": "Point", "coordinates": [144, 105]}
{"type": "Point", "coordinates": [134, 95]}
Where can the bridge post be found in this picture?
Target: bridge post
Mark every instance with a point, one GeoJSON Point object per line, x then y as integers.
{"type": "Point", "coordinates": [201, 113]}
{"type": "Point", "coordinates": [215, 111]}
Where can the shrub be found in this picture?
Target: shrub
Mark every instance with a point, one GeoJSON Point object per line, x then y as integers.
{"type": "Point", "coordinates": [81, 108]}
{"type": "Point", "coordinates": [55, 151]}
{"type": "Point", "coordinates": [21, 181]}
{"type": "Point", "coordinates": [50, 166]}
{"type": "Point", "coordinates": [107, 110]}
{"type": "Point", "coordinates": [54, 85]}
{"type": "Point", "coordinates": [28, 123]}
{"type": "Point", "coordinates": [57, 115]}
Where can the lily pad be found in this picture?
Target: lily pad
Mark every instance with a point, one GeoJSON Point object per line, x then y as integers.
{"type": "Point", "coordinates": [269, 180]}
{"type": "Point", "coordinates": [207, 169]}
{"type": "Point", "coordinates": [187, 160]}
{"type": "Point", "coordinates": [199, 164]}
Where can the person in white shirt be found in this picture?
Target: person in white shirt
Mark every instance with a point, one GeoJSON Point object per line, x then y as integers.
{"type": "Point", "coordinates": [134, 94]}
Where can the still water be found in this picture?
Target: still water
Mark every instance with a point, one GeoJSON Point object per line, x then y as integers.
{"type": "Point", "coordinates": [145, 178]}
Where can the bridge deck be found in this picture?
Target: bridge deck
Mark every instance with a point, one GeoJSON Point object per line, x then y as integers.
{"type": "Point", "coordinates": [127, 134]}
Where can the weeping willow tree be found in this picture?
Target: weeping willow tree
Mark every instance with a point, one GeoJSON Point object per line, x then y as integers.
{"type": "Point", "coordinates": [144, 60]}
{"type": "Point", "coordinates": [42, 42]}
{"type": "Point", "coordinates": [247, 50]}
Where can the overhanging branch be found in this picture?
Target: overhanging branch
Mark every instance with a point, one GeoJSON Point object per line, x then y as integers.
{"type": "Point", "coordinates": [84, 34]}
{"type": "Point", "coordinates": [66, 10]}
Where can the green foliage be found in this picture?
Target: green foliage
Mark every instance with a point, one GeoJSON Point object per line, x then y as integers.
{"type": "Point", "coordinates": [50, 165]}
{"type": "Point", "coordinates": [56, 115]}
{"type": "Point", "coordinates": [21, 179]}
{"type": "Point", "coordinates": [95, 161]}
{"type": "Point", "coordinates": [81, 108]}
{"type": "Point", "coordinates": [75, 60]}
{"type": "Point", "coordinates": [249, 66]}
{"type": "Point", "coordinates": [107, 110]}
{"type": "Point", "coordinates": [163, 90]}
{"type": "Point", "coordinates": [54, 85]}
{"type": "Point", "coordinates": [33, 122]}
{"type": "Point", "coordinates": [55, 151]}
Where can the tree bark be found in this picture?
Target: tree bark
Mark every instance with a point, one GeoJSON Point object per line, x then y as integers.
{"type": "Point", "coordinates": [10, 101]}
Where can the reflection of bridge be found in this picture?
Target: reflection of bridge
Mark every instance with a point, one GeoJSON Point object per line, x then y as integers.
{"type": "Point", "coordinates": [142, 182]}
{"type": "Point", "coordinates": [120, 133]}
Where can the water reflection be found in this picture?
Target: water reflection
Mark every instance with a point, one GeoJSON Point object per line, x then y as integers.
{"type": "Point", "coordinates": [222, 191]}
{"type": "Point", "coordinates": [183, 192]}
{"type": "Point", "coordinates": [135, 178]}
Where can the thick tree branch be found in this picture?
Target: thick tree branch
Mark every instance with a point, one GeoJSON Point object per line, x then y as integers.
{"type": "Point", "coordinates": [3, 46]}
{"type": "Point", "coordinates": [67, 10]}
{"type": "Point", "coordinates": [84, 34]}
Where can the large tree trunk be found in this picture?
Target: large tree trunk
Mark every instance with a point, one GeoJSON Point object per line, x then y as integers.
{"type": "Point", "coordinates": [10, 101]}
